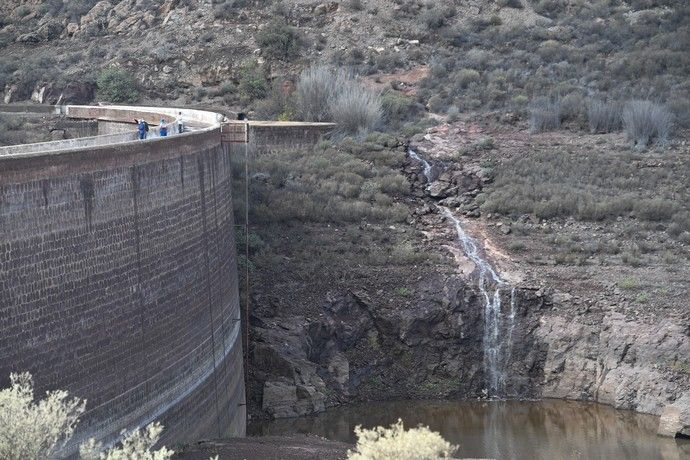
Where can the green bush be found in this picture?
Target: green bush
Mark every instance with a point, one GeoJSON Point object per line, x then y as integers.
{"type": "Point", "coordinates": [252, 81]}
{"type": "Point", "coordinates": [279, 40]}
{"type": "Point", "coordinates": [117, 85]}
{"type": "Point", "coordinates": [398, 108]}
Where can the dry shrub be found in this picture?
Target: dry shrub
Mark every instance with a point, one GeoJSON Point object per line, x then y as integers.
{"type": "Point", "coordinates": [646, 121]}
{"type": "Point", "coordinates": [326, 94]}
{"type": "Point", "coordinates": [604, 117]}
{"type": "Point", "coordinates": [315, 89]}
{"type": "Point", "coordinates": [356, 109]}
{"type": "Point", "coordinates": [545, 115]}
{"type": "Point", "coordinates": [35, 429]}
{"type": "Point", "coordinates": [655, 209]}
{"type": "Point", "coordinates": [135, 445]}
{"type": "Point", "coordinates": [397, 443]}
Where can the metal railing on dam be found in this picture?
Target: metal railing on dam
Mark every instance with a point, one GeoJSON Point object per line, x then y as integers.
{"type": "Point", "coordinates": [118, 277]}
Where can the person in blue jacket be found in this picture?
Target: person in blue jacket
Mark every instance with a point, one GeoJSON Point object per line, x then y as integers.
{"type": "Point", "coordinates": [163, 128]}
{"type": "Point", "coordinates": [142, 129]}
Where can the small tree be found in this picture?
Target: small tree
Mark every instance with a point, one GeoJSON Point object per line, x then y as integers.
{"type": "Point", "coordinates": [395, 443]}
{"type": "Point", "coordinates": [35, 430]}
{"type": "Point", "coordinates": [279, 40]}
{"type": "Point", "coordinates": [117, 85]}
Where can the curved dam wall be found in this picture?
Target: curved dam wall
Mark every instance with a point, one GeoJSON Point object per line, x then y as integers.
{"type": "Point", "coordinates": [118, 283]}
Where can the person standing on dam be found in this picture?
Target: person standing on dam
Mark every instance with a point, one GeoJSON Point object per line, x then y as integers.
{"type": "Point", "coordinates": [142, 127]}
{"type": "Point", "coordinates": [163, 128]}
{"type": "Point", "coordinates": [180, 123]}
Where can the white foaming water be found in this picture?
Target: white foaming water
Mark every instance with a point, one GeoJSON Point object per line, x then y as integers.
{"type": "Point", "coordinates": [489, 286]}
{"type": "Point", "coordinates": [427, 166]}
{"type": "Point", "coordinates": [497, 352]}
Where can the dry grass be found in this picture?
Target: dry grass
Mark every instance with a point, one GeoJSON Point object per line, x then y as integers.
{"type": "Point", "coordinates": [326, 185]}
{"type": "Point", "coordinates": [594, 187]}
{"type": "Point", "coordinates": [646, 122]}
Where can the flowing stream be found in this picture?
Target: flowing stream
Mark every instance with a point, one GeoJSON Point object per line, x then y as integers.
{"type": "Point", "coordinates": [497, 349]}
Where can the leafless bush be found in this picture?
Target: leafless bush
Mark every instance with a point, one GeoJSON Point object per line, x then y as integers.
{"type": "Point", "coordinates": [571, 107]}
{"type": "Point", "coordinates": [604, 117]}
{"type": "Point", "coordinates": [646, 121]}
{"type": "Point", "coordinates": [316, 88]}
{"type": "Point", "coordinates": [325, 94]}
{"type": "Point", "coordinates": [356, 109]}
{"type": "Point", "coordinates": [545, 115]}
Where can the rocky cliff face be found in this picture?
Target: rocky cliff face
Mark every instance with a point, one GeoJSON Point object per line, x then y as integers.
{"type": "Point", "coordinates": [358, 351]}
{"type": "Point", "coordinates": [610, 358]}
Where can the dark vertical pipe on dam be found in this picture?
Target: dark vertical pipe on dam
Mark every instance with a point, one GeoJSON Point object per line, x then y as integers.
{"type": "Point", "coordinates": [246, 249]}
{"type": "Point", "coordinates": [134, 172]}
{"type": "Point", "coordinates": [202, 190]}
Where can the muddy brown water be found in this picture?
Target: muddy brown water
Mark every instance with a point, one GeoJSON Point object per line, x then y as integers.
{"type": "Point", "coordinates": [548, 430]}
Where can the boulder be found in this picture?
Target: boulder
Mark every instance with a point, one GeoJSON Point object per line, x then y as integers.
{"type": "Point", "coordinates": [282, 399]}
{"type": "Point", "coordinates": [441, 189]}
{"type": "Point", "coordinates": [675, 418]}
{"type": "Point", "coordinates": [75, 92]}
{"type": "Point", "coordinates": [72, 28]}
{"type": "Point", "coordinates": [279, 399]}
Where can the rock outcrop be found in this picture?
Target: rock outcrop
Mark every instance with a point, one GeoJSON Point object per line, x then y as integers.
{"type": "Point", "coordinates": [608, 358]}
{"type": "Point", "coordinates": [359, 351]}
{"type": "Point", "coordinates": [675, 418]}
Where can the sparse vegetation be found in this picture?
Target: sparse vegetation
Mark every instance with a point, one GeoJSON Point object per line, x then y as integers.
{"type": "Point", "coordinates": [326, 186]}
{"type": "Point", "coordinates": [594, 187]}
{"type": "Point", "coordinates": [135, 445]}
{"type": "Point", "coordinates": [628, 283]}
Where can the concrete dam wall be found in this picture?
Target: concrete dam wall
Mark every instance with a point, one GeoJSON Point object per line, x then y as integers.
{"type": "Point", "coordinates": [119, 283]}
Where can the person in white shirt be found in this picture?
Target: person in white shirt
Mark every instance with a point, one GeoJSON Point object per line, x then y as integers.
{"type": "Point", "coordinates": [180, 123]}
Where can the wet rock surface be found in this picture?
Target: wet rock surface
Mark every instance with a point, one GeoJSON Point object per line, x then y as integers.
{"type": "Point", "coordinates": [359, 351]}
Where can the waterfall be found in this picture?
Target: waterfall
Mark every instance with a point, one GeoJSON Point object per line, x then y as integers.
{"type": "Point", "coordinates": [427, 166]}
{"type": "Point", "coordinates": [490, 287]}
{"type": "Point", "coordinates": [497, 352]}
